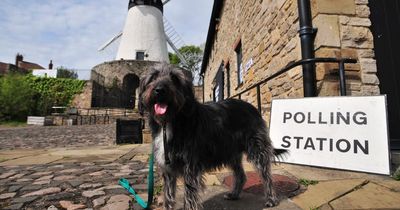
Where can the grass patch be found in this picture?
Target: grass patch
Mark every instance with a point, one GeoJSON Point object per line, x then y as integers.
{"type": "Point", "coordinates": [12, 123]}
{"type": "Point", "coordinates": [158, 189]}
{"type": "Point", "coordinates": [307, 182]}
{"type": "Point", "coordinates": [397, 177]}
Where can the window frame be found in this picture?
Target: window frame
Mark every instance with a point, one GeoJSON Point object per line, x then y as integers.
{"type": "Point", "coordinates": [219, 87]}
{"type": "Point", "coordinates": [239, 63]}
{"type": "Point", "coordinates": [140, 52]}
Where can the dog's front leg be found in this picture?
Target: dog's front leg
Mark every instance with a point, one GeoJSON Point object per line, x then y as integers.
{"type": "Point", "coordinates": [169, 190]}
{"type": "Point", "coordinates": [193, 184]}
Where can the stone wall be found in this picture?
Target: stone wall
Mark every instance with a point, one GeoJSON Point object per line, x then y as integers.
{"type": "Point", "coordinates": [343, 31]}
{"type": "Point", "coordinates": [84, 99]}
{"type": "Point", "coordinates": [115, 83]}
{"type": "Point", "coordinates": [198, 93]}
{"type": "Point", "coordinates": [267, 30]}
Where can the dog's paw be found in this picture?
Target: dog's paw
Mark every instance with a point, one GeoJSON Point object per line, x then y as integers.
{"type": "Point", "coordinates": [231, 196]}
{"type": "Point", "coordinates": [271, 202]}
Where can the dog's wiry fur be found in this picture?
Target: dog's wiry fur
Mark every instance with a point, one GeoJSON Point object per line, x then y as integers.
{"type": "Point", "coordinates": [203, 137]}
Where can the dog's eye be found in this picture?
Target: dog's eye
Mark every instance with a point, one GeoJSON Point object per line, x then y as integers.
{"type": "Point", "coordinates": [175, 79]}
{"type": "Point", "coordinates": [151, 78]}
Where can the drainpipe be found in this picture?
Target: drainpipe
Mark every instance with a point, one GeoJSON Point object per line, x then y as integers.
{"type": "Point", "coordinates": [307, 36]}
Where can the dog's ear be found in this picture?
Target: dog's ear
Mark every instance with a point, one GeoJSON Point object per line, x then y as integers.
{"type": "Point", "coordinates": [144, 81]}
{"type": "Point", "coordinates": [141, 105]}
{"type": "Point", "coordinates": [183, 77]}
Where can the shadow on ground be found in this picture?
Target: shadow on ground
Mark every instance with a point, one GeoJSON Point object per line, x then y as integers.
{"type": "Point", "coordinates": [213, 199]}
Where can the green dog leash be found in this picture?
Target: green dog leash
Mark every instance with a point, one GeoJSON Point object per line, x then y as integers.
{"type": "Point", "coordinates": [150, 186]}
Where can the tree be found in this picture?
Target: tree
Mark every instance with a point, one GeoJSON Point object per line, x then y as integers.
{"type": "Point", "coordinates": [193, 56]}
{"type": "Point", "coordinates": [63, 72]}
{"type": "Point", "coordinates": [16, 97]}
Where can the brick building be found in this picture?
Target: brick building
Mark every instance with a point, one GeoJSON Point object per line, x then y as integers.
{"type": "Point", "coordinates": [250, 40]}
{"type": "Point", "coordinates": [20, 66]}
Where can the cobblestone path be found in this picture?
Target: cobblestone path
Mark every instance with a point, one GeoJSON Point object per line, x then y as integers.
{"type": "Point", "coordinates": [81, 175]}
{"type": "Point", "coordinates": [71, 185]}
{"type": "Point", "coordinates": [45, 137]}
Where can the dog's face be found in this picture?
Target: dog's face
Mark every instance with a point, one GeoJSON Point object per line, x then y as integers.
{"type": "Point", "coordinates": [164, 90]}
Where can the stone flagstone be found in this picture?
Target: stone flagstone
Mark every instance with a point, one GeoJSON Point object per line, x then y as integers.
{"type": "Point", "coordinates": [89, 185]}
{"type": "Point", "coordinates": [211, 180]}
{"type": "Point", "coordinates": [16, 176]}
{"type": "Point", "coordinates": [6, 175]}
{"type": "Point", "coordinates": [42, 182]}
{"type": "Point", "coordinates": [71, 206]}
{"type": "Point", "coordinates": [39, 159]}
{"type": "Point", "coordinates": [392, 184]}
{"type": "Point", "coordinates": [46, 191]}
{"type": "Point", "coordinates": [370, 196]}
{"type": "Point", "coordinates": [92, 193]}
{"type": "Point", "coordinates": [120, 202]}
{"type": "Point", "coordinates": [324, 192]}
{"type": "Point", "coordinates": [99, 201]}
{"type": "Point", "coordinates": [63, 178]}
{"type": "Point", "coordinates": [45, 178]}
{"type": "Point", "coordinates": [7, 195]}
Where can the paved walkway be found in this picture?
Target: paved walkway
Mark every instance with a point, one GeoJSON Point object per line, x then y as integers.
{"type": "Point", "coordinates": [86, 177]}
{"type": "Point", "coordinates": [71, 178]}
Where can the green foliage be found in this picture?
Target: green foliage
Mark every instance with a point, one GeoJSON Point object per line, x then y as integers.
{"type": "Point", "coordinates": [53, 92]}
{"type": "Point", "coordinates": [174, 59]}
{"type": "Point", "coordinates": [193, 56]}
{"type": "Point", "coordinates": [16, 97]}
{"type": "Point", "coordinates": [21, 96]}
{"type": "Point", "coordinates": [307, 182]}
{"type": "Point", "coordinates": [158, 189]}
{"type": "Point", "coordinates": [13, 123]}
{"type": "Point", "coordinates": [63, 72]}
{"type": "Point", "coordinates": [396, 174]}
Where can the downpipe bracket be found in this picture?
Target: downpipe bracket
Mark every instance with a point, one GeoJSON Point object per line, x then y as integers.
{"type": "Point", "coordinates": [306, 30]}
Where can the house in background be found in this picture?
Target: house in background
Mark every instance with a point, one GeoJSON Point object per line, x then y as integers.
{"type": "Point", "coordinates": [20, 63]}
{"type": "Point", "coordinates": [248, 41]}
{"type": "Point", "coordinates": [46, 72]}
{"type": "Point", "coordinates": [20, 66]}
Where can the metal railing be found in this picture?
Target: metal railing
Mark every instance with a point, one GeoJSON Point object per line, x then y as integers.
{"type": "Point", "coordinates": [342, 80]}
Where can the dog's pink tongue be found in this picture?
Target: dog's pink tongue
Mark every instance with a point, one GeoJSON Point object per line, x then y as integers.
{"type": "Point", "coordinates": [160, 109]}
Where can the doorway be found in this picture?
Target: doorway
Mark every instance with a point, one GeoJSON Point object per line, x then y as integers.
{"type": "Point", "coordinates": [385, 18]}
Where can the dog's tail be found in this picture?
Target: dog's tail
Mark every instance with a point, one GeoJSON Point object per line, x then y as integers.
{"type": "Point", "coordinates": [280, 154]}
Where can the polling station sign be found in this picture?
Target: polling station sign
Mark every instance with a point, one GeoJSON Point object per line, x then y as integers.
{"type": "Point", "coordinates": [337, 132]}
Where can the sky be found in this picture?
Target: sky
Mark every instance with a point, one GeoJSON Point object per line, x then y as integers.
{"type": "Point", "coordinates": [69, 32]}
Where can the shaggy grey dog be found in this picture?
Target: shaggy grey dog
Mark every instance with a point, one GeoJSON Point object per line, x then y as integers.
{"type": "Point", "coordinates": [192, 138]}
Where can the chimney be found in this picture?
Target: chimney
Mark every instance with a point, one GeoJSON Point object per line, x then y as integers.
{"type": "Point", "coordinates": [18, 58]}
{"type": "Point", "coordinates": [51, 65]}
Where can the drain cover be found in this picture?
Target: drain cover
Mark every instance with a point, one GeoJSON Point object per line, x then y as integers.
{"type": "Point", "coordinates": [283, 185]}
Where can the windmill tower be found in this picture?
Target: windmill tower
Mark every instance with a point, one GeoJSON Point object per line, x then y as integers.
{"type": "Point", "coordinates": [146, 33]}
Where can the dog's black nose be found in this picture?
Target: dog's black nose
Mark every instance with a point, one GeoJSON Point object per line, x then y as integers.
{"type": "Point", "coordinates": [158, 90]}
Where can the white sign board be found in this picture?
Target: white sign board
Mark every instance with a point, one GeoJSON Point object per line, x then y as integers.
{"type": "Point", "coordinates": [338, 132]}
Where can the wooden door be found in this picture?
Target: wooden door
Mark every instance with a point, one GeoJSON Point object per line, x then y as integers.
{"type": "Point", "coordinates": [385, 18]}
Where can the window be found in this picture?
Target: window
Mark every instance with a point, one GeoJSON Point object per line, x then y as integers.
{"type": "Point", "coordinates": [218, 91]}
{"type": "Point", "coordinates": [239, 58]}
{"type": "Point", "coordinates": [140, 55]}
{"type": "Point", "coordinates": [228, 79]}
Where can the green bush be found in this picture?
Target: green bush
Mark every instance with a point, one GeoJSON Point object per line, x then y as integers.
{"type": "Point", "coordinates": [21, 96]}
{"type": "Point", "coordinates": [53, 92]}
{"type": "Point", "coordinates": [16, 97]}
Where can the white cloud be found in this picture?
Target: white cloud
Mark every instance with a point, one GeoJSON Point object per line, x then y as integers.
{"type": "Point", "coordinates": [70, 31]}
